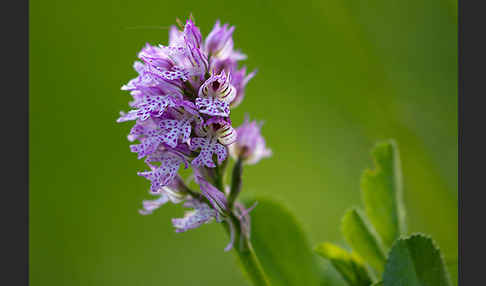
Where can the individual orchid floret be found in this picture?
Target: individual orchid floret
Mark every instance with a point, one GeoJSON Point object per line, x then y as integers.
{"type": "Point", "coordinates": [219, 38]}
{"type": "Point", "coordinates": [164, 174]}
{"type": "Point", "coordinates": [159, 62]}
{"type": "Point", "coordinates": [226, 134]}
{"type": "Point", "coordinates": [215, 95]}
{"type": "Point", "coordinates": [151, 103]}
{"type": "Point", "coordinates": [175, 193]}
{"type": "Point", "coordinates": [143, 128]}
{"type": "Point", "coordinates": [219, 43]}
{"type": "Point", "coordinates": [201, 214]}
{"type": "Point", "coordinates": [239, 78]}
{"type": "Point", "coordinates": [221, 127]}
{"type": "Point", "coordinates": [144, 79]}
{"type": "Point", "coordinates": [250, 144]}
{"type": "Point", "coordinates": [185, 54]}
{"type": "Point", "coordinates": [178, 128]}
{"type": "Point", "coordinates": [209, 146]}
{"type": "Point", "coordinates": [148, 145]}
{"type": "Point", "coordinates": [149, 135]}
{"type": "Point", "coordinates": [215, 134]}
{"type": "Point", "coordinates": [151, 69]}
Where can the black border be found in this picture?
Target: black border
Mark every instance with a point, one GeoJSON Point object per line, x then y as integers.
{"type": "Point", "coordinates": [14, 209]}
{"type": "Point", "coordinates": [471, 129]}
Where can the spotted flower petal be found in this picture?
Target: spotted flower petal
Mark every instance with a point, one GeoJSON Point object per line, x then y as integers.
{"type": "Point", "coordinates": [164, 174]}
{"type": "Point", "coordinates": [201, 214]}
{"type": "Point", "coordinates": [212, 106]}
{"type": "Point", "coordinates": [154, 106]}
{"type": "Point", "coordinates": [161, 62]}
{"type": "Point", "coordinates": [178, 128]}
{"type": "Point", "coordinates": [128, 116]}
{"type": "Point", "coordinates": [142, 80]}
{"type": "Point", "coordinates": [148, 146]}
{"type": "Point", "coordinates": [215, 94]}
{"type": "Point", "coordinates": [146, 132]}
{"type": "Point", "coordinates": [149, 105]}
{"type": "Point", "coordinates": [209, 146]}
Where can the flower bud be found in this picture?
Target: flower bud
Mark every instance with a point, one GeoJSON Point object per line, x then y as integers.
{"type": "Point", "coordinates": [215, 197]}
{"type": "Point", "coordinates": [219, 42]}
{"type": "Point", "coordinates": [249, 144]}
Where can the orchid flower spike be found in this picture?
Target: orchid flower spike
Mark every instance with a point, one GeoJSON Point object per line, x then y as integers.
{"type": "Point", "coordinates": [181, 104]}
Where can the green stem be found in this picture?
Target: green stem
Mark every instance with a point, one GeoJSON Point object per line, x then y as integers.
{"type": "Point", "coordinates": [242, 244]}
{"type": "Point", "coordinates": [244, 250]}
{"type": "Point", "coordinates": [219, 171]}
{"type": "Point", "coordinates": [235, 182]}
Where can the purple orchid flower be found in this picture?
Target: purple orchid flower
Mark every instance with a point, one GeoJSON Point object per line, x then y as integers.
{"type": "Point", "coordinates": [174, 192]}
{"type": "Point", "coordinates": [164, 174]}
{"type": "Point", "coordinates": [219, 44]}
{"type": "Point", "coordinates": [182, 96]}
{"type": "Point", "coordinates": [215, 95]}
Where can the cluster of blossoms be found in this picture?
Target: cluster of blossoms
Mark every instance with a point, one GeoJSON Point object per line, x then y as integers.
{"type": "Point", "coordinates": [181, 105]}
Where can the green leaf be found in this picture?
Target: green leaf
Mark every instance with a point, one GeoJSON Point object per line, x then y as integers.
{"type": "Point", "coordinates": [382, 193]}
{"type": "Point", "coordinates": [282, 246]}
{"type": "Point", "coordinates": [415, 261]}
{"type": "Point", "coordinates": [349, 266]}
{"type": "Point", "coordinates": [378, 284]}
{"type": "Point", "coordinates": [363, 239]}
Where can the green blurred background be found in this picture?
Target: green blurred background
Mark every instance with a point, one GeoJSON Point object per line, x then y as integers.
{"type": "Point", "coordinates": [334, 77]}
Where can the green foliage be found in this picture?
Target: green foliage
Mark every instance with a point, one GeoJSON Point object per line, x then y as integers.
{"type": "Point", "coordinates": [382, 193]}
{"type": "Point", "coordinates": [415, 261]}
{"type": "Point", "coordinates": [348, 265]}
{"type": "Point", "coordinates": [362, 239]}
{"type": "Point", "coordinates": [282, 246]}
{"type": "Point", "coordinates": [412, 261]}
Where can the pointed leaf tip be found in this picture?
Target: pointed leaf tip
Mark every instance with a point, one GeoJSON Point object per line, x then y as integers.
{"type": "Point", "coordinates": [381, 190]}
{"type": "Point", "coordinates": [362, 238]}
